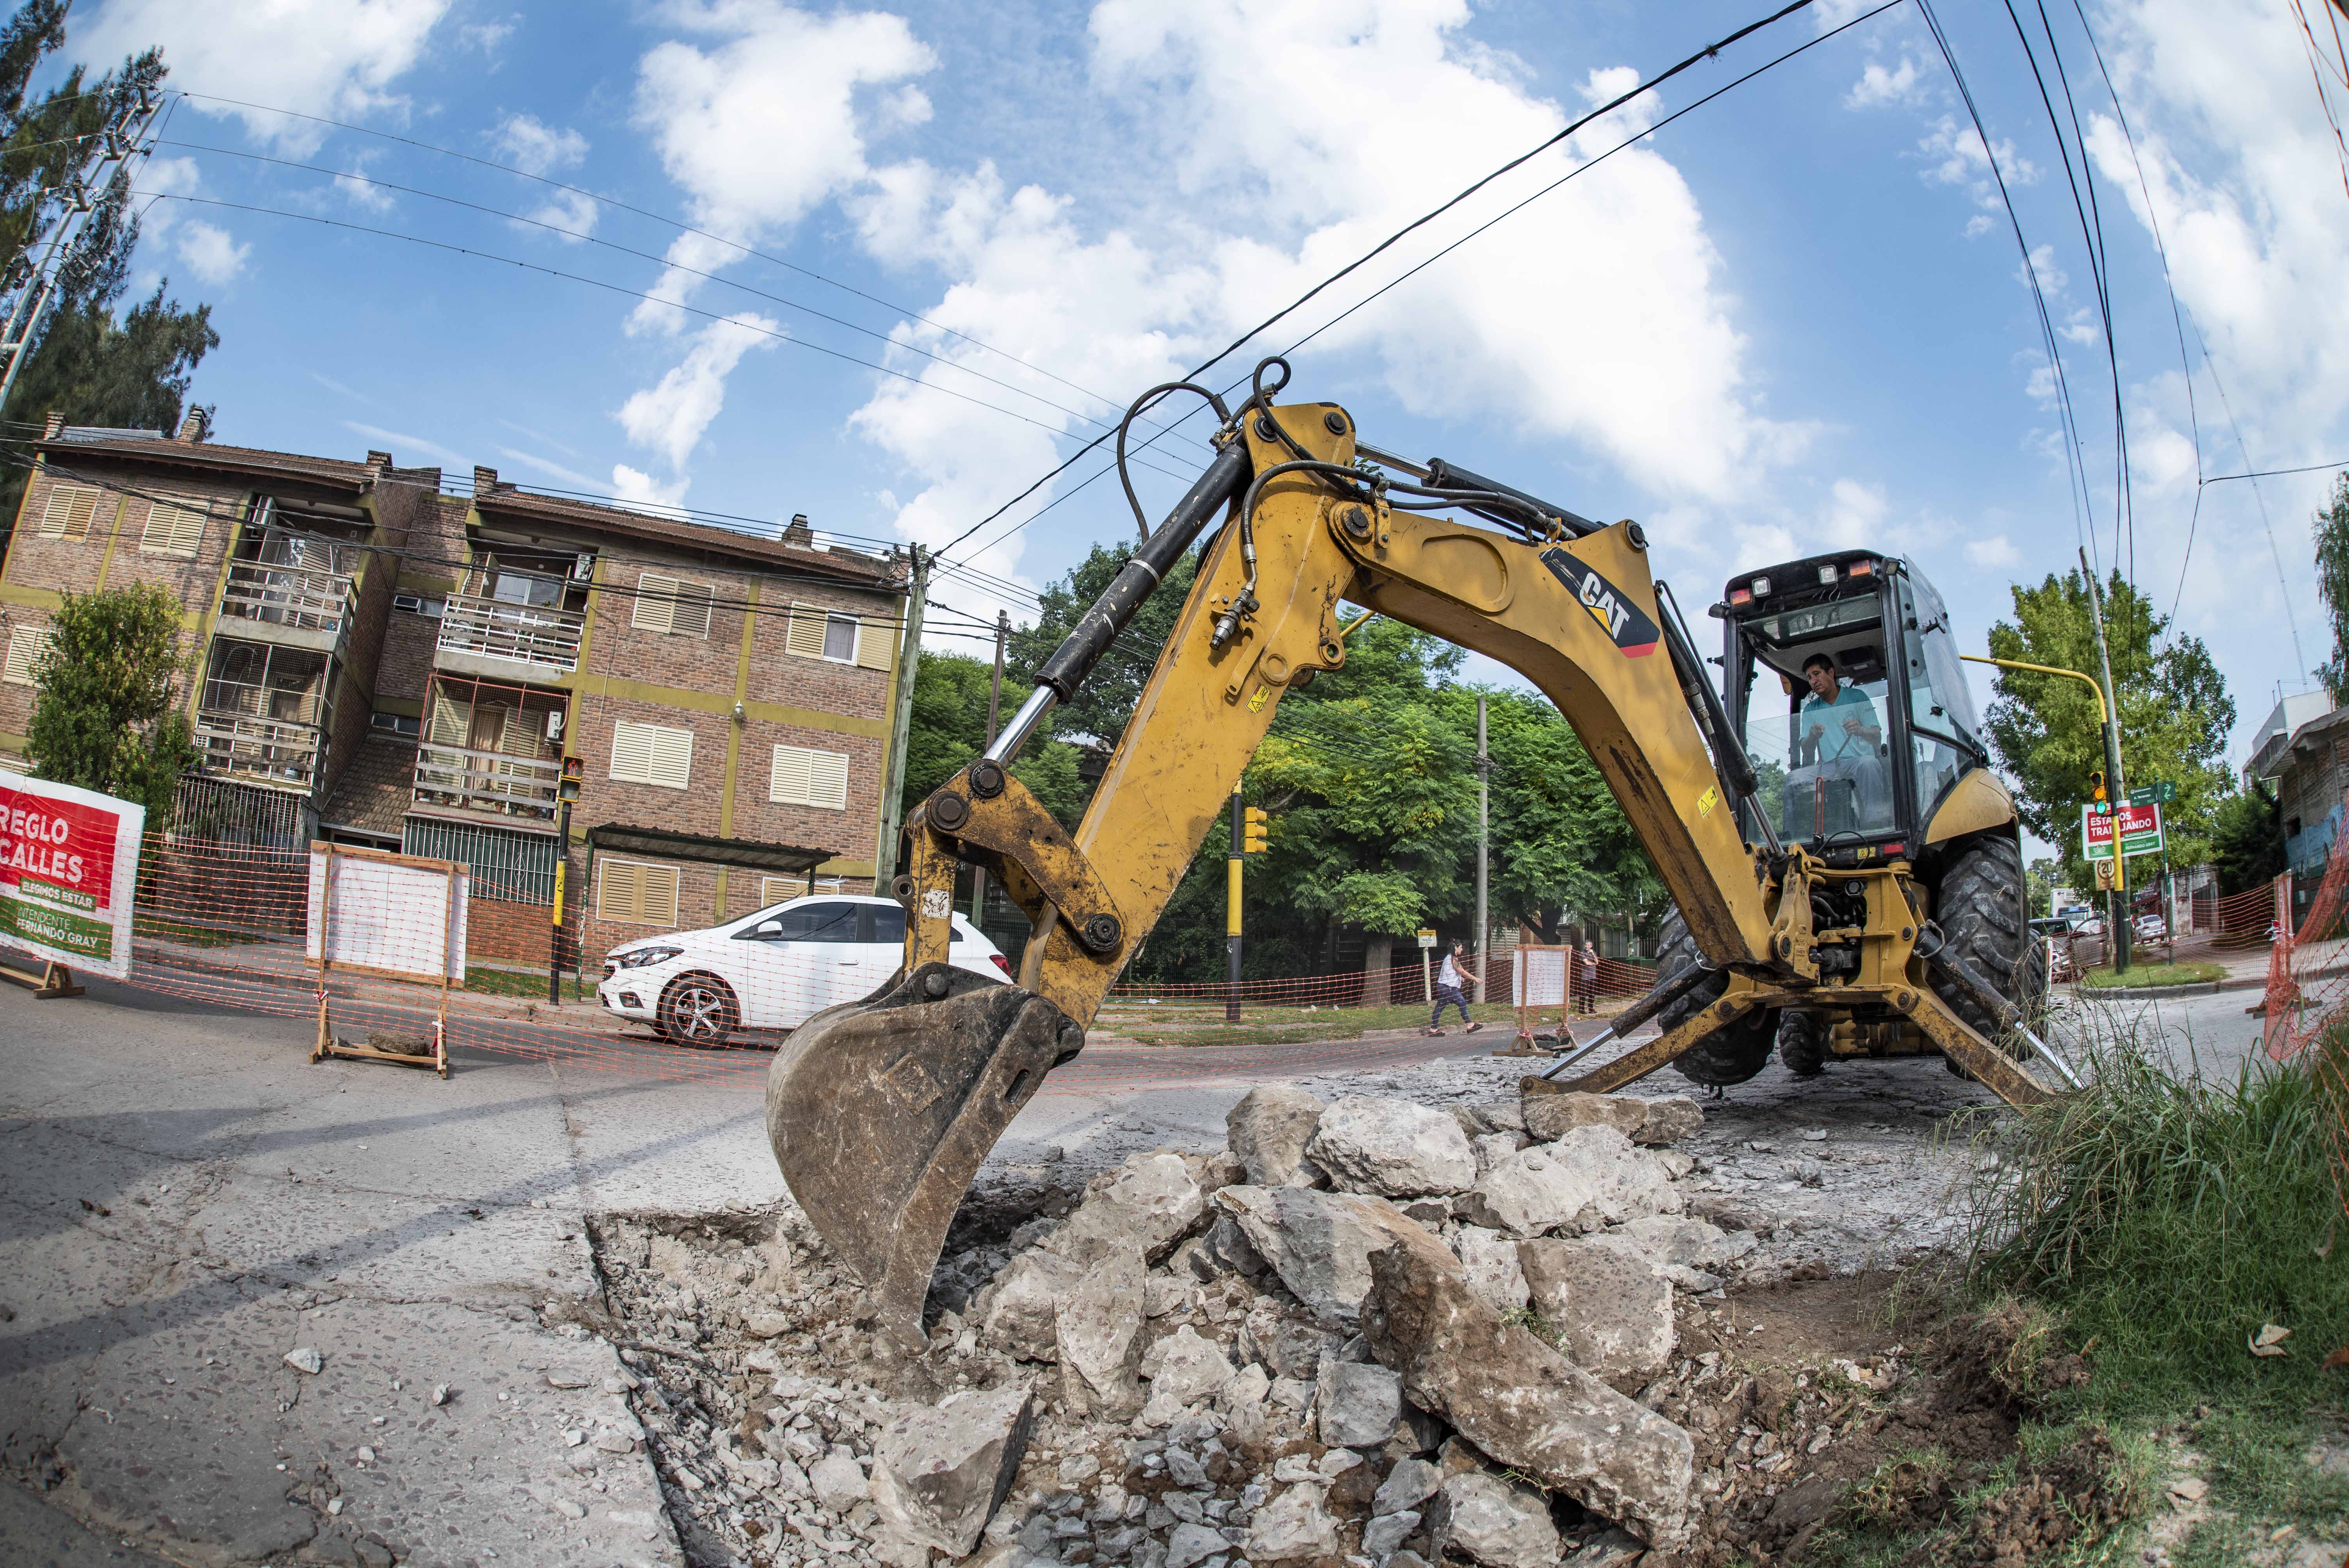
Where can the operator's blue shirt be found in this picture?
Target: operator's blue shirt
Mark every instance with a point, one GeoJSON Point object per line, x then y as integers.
{"type": "Point", "coordinates": [1834, 744]}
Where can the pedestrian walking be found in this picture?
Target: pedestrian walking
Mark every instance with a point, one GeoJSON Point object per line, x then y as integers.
{"type": "Point", "coordinates": [1586, 965]}
{"type": "Point", "coordinates": [1449, 994]}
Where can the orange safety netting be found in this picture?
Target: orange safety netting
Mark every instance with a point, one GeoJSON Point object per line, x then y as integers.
{"type": "Point", "coordinates": [2308, 989]}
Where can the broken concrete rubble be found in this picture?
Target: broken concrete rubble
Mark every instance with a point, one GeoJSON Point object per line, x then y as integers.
{"type": "Point", "coordinates": [1520, 1401]}
{"type": "Point", "coordinates": [1392, 1148]}
{"type": "Point", "coordinates": [1268, 1130]}
{"type": "Point", "coordinates": [1357, 1406]}
{"type": "Point", "coordinates": [1496, 1522]}
{"type": "Point", "coordinates": [1490, 1261]}
{"type": "Point", "coordinates": [1146, 1205]}
{"type": "Point", "coordinates": [1610, 1307]}
{"type": "Point", "coordinates": [1320, 1243]}
{"type": "Point", "coordinates": [1098, 1331]}
{"type": "Point", "coordinates": [1294, 1524]}
{"type": "Point", "coordinates": [938, 1474]}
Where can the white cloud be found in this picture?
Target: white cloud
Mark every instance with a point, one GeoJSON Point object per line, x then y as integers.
{"type": "Point", "coordinates": [211, 252]}
{"type": "Point", "coordinates": [486, 37]}
{"type": "Point", "coordinates": [752, 154]}
{"type": "Point", "coordinates": [331, 58]}
{"type": "Point", "coordinates": [1878, 87]}
{"type": "Point", "coordinates": [1855, 516]}
{"type": "Point", "coordinates": [670, 417]}
{"type": "Point", "coordinates": [572, 478]}
{"type": "Point", "coordinates": [1993, 551]}
{"type": "Point", "coordinates": [1978, 225]}
{"type": "Point", "coordinates": [535, 148]}
{"type": "Point", "coordinates": [632, 487]}
{"type": "Point", "coordinates": [1955, 154]}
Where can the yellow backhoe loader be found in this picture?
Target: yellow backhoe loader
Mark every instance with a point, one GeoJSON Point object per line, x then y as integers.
{"type": "Point", "coordinates": [1841, 892]}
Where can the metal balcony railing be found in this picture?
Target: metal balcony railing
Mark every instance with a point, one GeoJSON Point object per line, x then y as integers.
{"type": "Point", "coordinates": [241, 746]}
{"type": "Point", "coordinates": [474, 781]}
{"type": "Point", "coordinates": [524, 634]}
{"type": "Point", "coordinates": [287, 596]}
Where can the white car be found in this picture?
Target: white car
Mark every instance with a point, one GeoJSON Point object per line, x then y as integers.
{"type": "Point", "coordinates": [773, 969]}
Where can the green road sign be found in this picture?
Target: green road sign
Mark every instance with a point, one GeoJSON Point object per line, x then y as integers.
{"type": "Point", "coordinates": [2160, 794]}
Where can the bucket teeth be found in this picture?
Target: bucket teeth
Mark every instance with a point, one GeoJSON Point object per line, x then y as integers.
{"type": "Point", "coordinates": [881, 1112]}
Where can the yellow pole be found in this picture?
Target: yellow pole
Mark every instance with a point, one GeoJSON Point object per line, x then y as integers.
{"type": "Point", "coordinates": [2120, 875]}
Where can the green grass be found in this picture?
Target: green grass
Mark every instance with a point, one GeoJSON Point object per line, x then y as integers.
{"type": "Point", "coordinates": [2154, 975]}
{"type": "Point", "coordinates": [484, 981]}
{"type": "Point", "coordinates": [188, 933]}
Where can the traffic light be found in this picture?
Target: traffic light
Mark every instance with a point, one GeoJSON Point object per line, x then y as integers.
{"type": "Point", "coordinates": [2096, 785]}
{"type": "Point", "coordinates": [1255, 823]}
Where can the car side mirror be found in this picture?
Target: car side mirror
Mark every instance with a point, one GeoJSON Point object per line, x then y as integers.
{"type": "Point", "coordinates": [771, 928]}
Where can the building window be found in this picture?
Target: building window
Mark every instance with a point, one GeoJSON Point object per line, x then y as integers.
{"type": "Point", "coordinates": [652, 754]}
{"type": "Point", "coordinates": [783, 889]}
{"type": "Point", "coordinates": [68, 513]}
{"type": "Point", "coordinates": [635, 892]}
{"type": "Point", "coordinates": [803, 777]}
{"type": "Point", "coordinates": [174, 527]}
{"type": "Point", "coordinates": [395, 723]}
{"type": "Point", "coordinates": [24, 645]}
{"type": "Point", "coordinates": [672, 604]}
{"type": "Point", "coordinates": [816, 633]}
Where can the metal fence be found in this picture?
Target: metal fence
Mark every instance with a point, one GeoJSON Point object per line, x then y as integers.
{"type": "Point", "coordinates": [516, 867]}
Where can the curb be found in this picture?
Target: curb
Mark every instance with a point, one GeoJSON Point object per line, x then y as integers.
{"type": "Point", "coordinates": [2191, 987]}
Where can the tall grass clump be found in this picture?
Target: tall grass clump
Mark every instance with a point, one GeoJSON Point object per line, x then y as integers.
{"type": "Point", "coordinates": [2167, 1217]}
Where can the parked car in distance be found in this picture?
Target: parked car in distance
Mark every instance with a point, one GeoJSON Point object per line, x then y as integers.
{"type": "Point", "coordinates": [2051, 925]}
{"type": "Point", "coordinates": [2151, 928]}
{"type": "Point", "coordinates": [773, 969]}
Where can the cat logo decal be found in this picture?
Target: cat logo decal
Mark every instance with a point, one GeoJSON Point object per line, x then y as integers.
{"type": "Point", "coordinates": [1623, 622]}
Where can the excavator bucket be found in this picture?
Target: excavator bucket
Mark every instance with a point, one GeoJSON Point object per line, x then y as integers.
{"type": "Point", "coordinates": [881, 1112]}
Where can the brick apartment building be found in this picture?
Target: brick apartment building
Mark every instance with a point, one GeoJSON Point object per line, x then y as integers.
{"type": "Point", "coordinates": [381, 664]}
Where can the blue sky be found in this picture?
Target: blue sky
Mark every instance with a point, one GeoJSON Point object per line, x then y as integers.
{"type": "Point", "coordinates": [1792, 321]}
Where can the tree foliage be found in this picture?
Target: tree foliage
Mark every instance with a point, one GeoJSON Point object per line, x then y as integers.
{"type": "Point", "coordinates": [2247, 839]}
{"type": "Point", "coordinates": [2174, 710]}
{"type": "Point", "coordinates": [2331, 532]}
{"type": "Point", "coordinates": [92, 360]}
{"type": "Point", "coordinates": [105, 716]}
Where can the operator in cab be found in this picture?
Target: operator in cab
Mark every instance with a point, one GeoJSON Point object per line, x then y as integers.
{"type": "Point", "coordinates": [1837, 721]}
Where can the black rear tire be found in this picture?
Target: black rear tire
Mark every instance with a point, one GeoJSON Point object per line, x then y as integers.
{"type": "Point", "coordinates": [1979, 907]}
{"type": "Point", "coordinates": [1729, 1055]}
{"type": "Point", "coordinates": [1803, 1043]}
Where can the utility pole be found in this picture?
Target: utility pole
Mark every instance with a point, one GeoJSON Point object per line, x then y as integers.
{"type": "Point", "coordinates": [122, 139]}
{"type": "Point", "coordinates": [1483, 845]}
{"type": "Point", "coordinates": [2116, 924]}
{"type": "Point", "coordinates": [994, 706]}
{"type": "Point", "coordinates": [901, 724]}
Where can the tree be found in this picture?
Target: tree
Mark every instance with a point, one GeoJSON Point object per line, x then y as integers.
{"type": "Point", "coordinates": [2333, 584]}
{"type": "Point", "coordinates": [105, 716]}
{"type": "Point", "coordinates": [91, 360]}
{"type": "Point", "coordinates": [2247, 839]}
{"type": "Point", "coordinates": [2039, 883]}
{"type": "Point", "coordinates": [2174, 710]}
{"type": "Point", "coordinates": [949, 731]}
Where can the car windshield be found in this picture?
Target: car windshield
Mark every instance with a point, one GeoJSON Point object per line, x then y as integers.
{"type": "Point", "coordinates": [1821, 757]}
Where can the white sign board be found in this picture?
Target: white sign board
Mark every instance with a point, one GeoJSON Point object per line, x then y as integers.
{"type": "Point", "coordinates": [1427, 939]}
{"type": "Point", "coordinates": [389, 914]}
{"type": "Point", "coordinates": [1538, 976]}
{"type": "Point", "coordinates": [68, 872]}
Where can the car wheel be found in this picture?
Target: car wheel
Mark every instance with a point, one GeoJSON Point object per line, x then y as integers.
{"type": "Point", "coordinates": [699, 1010]}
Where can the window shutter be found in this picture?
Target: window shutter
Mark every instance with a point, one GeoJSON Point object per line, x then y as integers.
{"type": "Point", "coordinates": [805, 635]}
{"type": "Point", "coordinates": [875, 645]}
{"type": "Point", "coordinates": [672, 762]}
{"type": "Point", "coordinates": [689, 616]}
{"type": "Point", "coordinates": [778, 889]}
{"type": "Point", "coordinates": [68, 513]}
{"type": "Point", "coordinates": [452, 721]}
{"type": "Point", "coordinates": [804, 776]}
{"type": "Point", "coordinates": [652, 754]}
{"type": "Point", "coordinates": [24, 645]}
{"type": "Point", "coordinates": [635, 892]}
{"type": "Point", "coordinates": [173, 528]}
{"type": "Point", "coordinates": [656, 599]}
{"type": "Point", "coordinates": [660, 895]}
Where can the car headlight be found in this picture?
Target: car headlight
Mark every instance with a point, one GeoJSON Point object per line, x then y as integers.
{"type": "Point", "coordinates": [637, 957]}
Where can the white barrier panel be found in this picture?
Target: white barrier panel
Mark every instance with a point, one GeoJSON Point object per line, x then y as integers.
{"type": "Point", "coordinates": [1538, 976]}
{"type": "Point", "coordinates": [388, 914]}
{"type": "Point", "coordinates": [68, 872]}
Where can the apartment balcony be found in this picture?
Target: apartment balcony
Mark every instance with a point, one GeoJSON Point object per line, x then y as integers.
{"type": "Point", "coordinates": [498, 641]}
{"type": "Point", "coordinates": [291, 606]}
{"type": "Point", "coordinates": [519, 790]}
{"type": "Point", "coordinates": [280, 753]}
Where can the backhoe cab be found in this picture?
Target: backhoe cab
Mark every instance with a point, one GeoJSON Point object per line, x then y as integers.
{"type": "Point", "coordinates": [1857, 891]}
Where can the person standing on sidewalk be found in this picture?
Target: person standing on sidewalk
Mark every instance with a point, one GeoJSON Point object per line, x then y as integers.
{"type": "Point", "coordinates": [1449, 994]}
{"type": "Point", "coordinates": [1586, 965]}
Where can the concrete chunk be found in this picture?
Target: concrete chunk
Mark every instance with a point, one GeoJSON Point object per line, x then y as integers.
{"type": "Point", "coordinates": [1495, 1523]}
{"type": "Point", "coordinates": [1147, 1204]}
{"type": "Point", "coordinates": [1610, 1304]}
{"type": "Point", "coordinates": [1099, 1332]}
{"type": "Point", "coordinates": [1297, 1524]}
{"type": "Point", "coordinates": [1491, 1261]}
{"type": "Point", "coordinates": [1520, 1401]}
{"type": "Point", "coordinates": [1392, 1148]}
{"type": "Point", "coordinates": [1549, 1117]}
{"type": "Point", "coordinates": [1184, 1368]}
{"type": "Point", "coordinates": [1268, 1129]}
{"type": "Point", "coordinates": [1357, 1406]}
{"type": "Point", "coordinates": [1320, 1243]}
{"type": "Point", "coordinates": [940, 1473]}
